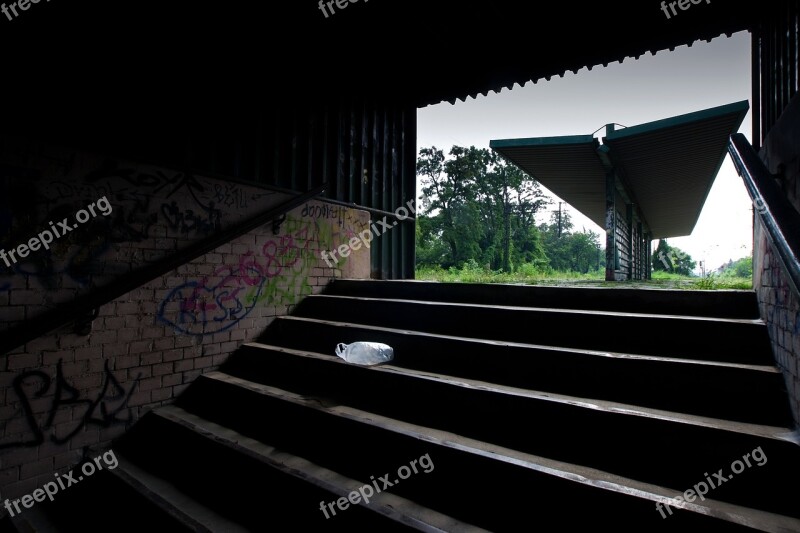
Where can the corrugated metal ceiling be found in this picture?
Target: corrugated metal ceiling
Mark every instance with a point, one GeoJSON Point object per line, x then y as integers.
{"type": "Point", "coordinates": [417, 52]}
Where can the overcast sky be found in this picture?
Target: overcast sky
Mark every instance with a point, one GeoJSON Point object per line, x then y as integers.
{"type": "Point", "coordinates": [633, 92]}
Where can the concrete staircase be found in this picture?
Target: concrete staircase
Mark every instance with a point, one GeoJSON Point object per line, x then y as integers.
{"type": "Point", "coordinates": [537, 409]}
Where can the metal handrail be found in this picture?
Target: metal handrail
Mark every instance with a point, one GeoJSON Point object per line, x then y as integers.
{"type": "Point", "coordinates": [84, 305]}
{"type": "Point", "coordinates": [780, 218]}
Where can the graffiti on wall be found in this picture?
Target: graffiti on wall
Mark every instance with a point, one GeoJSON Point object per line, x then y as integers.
{"type": "Point", "coordinates": [275, 273]}
{"type": "Point", "coordinates": [108, 408]}
{"type": "Point", "coordinates": [319, 211]}
{"type": "Point", "coordinates": [186, 207]}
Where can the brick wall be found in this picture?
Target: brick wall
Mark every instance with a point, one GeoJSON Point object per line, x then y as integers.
{"type": "Point", "coordinates": [780, 305]}
{"type": "Point", "coordinates": [64, 393]}
{"type": "Point", "coordinates": [780, 308]}
{"type": "Point", "coordinates": [152, 212]}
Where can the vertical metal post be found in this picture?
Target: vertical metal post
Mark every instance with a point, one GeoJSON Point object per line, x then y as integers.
{"type": "Point", "coordinates": [755, 80]}
{"type": "Point", "coordinates": [631, 253]}
{"type": "Point", "coordinates": [641, 273]}
{"type": "Point", "coordinates": [409, 160]}
{"type": "Point", "coordinates": [611, 226]}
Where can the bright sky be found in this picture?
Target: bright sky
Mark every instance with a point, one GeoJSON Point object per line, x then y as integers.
{"type": "Point", "coordinates": [636, 91]}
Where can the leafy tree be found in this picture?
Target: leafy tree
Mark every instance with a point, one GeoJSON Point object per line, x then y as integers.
{"type": "Point", "coordinates": [449, 189]}
{"type": "Point", "coordinates": [741, 268]}
{"type": "Point", "coordinates": [431, 250]}
{"type": "Point", "coordinates": [568, 251]}
{"type": "Point", "coordinates": [585, 251]}
{"type": "Point", "coordinates": [509, 200]}
{"type": "Point", "coordinates": [480, 207]}
{"type": "Point", "coordinates": [479, 210]}
{"type": "Point", "coordinates": [668, 258]}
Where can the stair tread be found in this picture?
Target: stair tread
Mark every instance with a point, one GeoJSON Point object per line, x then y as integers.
{"type": "Point", "coordinates": [554, 310]}
{"type": "Point", "coordinates": [173, 500]}
{"type": "Point", "coordinates": [617, 355]}
{"type": "Point", "coordinates": [577, 473]}
{"type": "Point", "coordinates": [390, 505]}
{"type": "Point", "coordinates": [722, 303]}
{"type": "Point", "coordinates": [759, 430]}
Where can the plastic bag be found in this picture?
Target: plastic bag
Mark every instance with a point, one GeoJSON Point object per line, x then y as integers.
{"type": "Point", "coordinates": [365, 353]}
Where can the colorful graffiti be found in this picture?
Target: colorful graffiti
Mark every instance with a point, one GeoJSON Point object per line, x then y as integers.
{"type": "Point", "coordinates": [276, 274]}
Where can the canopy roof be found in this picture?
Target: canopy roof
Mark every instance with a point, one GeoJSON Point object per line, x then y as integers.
{"type": "Point", "coordinates": [667, 167]}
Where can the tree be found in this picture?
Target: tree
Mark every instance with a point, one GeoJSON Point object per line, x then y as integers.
{"type": "Point", "coordinates": [481, 207]}
{"type": "Point", "coordinates": [741, 268]}
{"type": "Point", "coordinates": [555, 241]}
{"type": "Point", "coordinates": [431, 250]}
{"type": "Point", "coordinates": [509, 200]}
{"type": "Point", "coordinates": [667, 258]}
{"type": "Point", "coordinates": [448, 189]}
{"type": "Point", "coordinates": [568, 251]}
{"type": "Point", "coordinates": [585, 251]}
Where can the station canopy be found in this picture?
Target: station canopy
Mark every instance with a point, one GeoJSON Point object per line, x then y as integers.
{"type": "Point", "coordinates": [666, 167]}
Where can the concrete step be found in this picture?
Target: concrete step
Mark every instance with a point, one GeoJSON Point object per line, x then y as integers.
{"type": "Point", "coordinates": [97, 505]}
{"type": "Point", "coordinates": [525, 487]}
{"type": "Point", "coordinates": [700, 338]}
{"type": "Point", "coordinates": [732, 391]}
{"type": "Point", "coordinates": [720, 304]}
{"type": "Point", "coordinates": [529, 402]}
{"type": "Point", "coordinates": [283, 488]}
{"type": "Point", "coordinates": [526, 421]}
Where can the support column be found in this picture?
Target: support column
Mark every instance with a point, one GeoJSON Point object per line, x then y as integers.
{"type": "Point", "coordinates": [631, 249]}
{"type": "Point", "coordinates": [641, 268]}
{"type": "Point", "coordinates": [611, 226]}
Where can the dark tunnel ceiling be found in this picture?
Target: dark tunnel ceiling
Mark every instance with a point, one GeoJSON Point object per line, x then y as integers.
{"type": "Point", "coordinates": [231, 56]}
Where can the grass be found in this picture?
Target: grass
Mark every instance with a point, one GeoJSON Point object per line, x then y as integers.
{"type": "Point", "coordinates": [709, 283]}
{"type": "Point", "coordinates": [471, 273]}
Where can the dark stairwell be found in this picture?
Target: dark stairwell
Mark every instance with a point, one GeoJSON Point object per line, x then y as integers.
{"type": "Point", "coordinates": [556, 436]}
{"type": "Point", "coordinates": [582, 407]}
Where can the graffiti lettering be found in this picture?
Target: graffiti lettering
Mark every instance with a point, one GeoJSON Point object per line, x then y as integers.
{"type": "Point", "coordinates": [321, 211]}
{"type": "Point", "coordinates": [186, 205]}
{"type": "Point", "coordinates": [218, 302]}
{"type": "Point", "coordinates": [276, 274]}
{"type": "Point", "coordinates": [234, 196]}
{"type": "Point", "coordinates": [188, 222]}
{"type": "Point", "coordinates": [102, 411]}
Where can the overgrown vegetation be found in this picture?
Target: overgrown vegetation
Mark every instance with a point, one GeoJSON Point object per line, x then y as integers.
{"type": "Point", "coordinates": [478, 208]}
{"type": "Point", "coordinates": [742, 268]}
{"type": "Point", "coordinates": [471, 272]}
{"type": "Point", "coordinates": [477, 224]}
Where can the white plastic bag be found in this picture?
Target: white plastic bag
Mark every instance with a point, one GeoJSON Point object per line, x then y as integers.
{"type": "Point", "coordinates": [365, 353]}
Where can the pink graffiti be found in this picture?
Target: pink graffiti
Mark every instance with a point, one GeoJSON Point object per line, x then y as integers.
{"type": "Point", "coordinates": [231, 292]}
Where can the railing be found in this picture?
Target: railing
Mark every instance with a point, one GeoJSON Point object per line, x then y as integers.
{"type": "Point", "coordinates": [86, 305]}
{"type": "Point", "coordinates": [781, 220]}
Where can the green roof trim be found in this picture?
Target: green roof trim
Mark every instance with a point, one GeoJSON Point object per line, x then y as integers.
{"type": "Point", "coordinates": [566, 140]}
{"type": "Point", "coordinates": [740, 108]}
